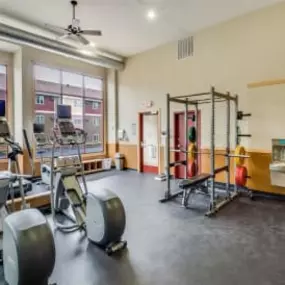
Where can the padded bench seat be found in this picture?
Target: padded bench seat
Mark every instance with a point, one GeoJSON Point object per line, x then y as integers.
{"type": "Point", "coordinates": [189, 183]}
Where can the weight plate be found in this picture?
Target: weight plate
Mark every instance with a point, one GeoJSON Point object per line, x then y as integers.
{"type": "Point", "coordinates": [192, 135]}
{"type": "Point", "coordinates": [192, 149]}
{"type": "Point", "coordinates": [241, 176]}
{"type": "Point", "coordinates": [240, 150]}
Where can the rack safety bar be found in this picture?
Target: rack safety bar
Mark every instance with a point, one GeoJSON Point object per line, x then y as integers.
{"type": "Point", "coordinates": [221, 169]}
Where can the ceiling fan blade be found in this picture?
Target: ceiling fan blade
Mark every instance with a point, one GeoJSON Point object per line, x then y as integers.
{"type": "Point", "coordinates": [82, 39]}
{"type": "Point", "coordinates": [91, 32]}
{"type": "Point", "coordinates": [55, 28]}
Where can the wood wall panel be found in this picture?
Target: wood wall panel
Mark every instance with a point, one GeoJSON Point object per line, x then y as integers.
{"type": "Point", "coordinates": [258, 167]}
{"type": "Point", "coordinates": [111, 150]}
{"type": "Point", "coordinates": [130, 153]}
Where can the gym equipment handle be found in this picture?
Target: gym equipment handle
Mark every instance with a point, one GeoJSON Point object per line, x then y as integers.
{"type": "Point", "coordinates": [27, 143]}
{"type": "Point", "coordinates": [219, 154]}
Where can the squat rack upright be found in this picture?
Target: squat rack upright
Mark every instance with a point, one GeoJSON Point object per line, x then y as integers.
{"type": "Point", "coordinates": [212, 98]}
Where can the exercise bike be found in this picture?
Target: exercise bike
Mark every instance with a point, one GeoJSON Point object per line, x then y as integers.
{"type": "Point", "coordinates": [26, 261]}
{"type": "Point", "coordinates": [99, 212]}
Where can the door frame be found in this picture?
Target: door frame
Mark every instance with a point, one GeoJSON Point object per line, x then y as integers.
{"type": "Point", "coordinates": [156, 113]}
{"type": "Point", "coordinates": [175, 132]}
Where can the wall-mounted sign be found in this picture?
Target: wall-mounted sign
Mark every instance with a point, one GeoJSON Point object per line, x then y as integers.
{"type": "Point", "coordinates": [147, 104]}
{"type": "Point", "coordinates": [134, 129]}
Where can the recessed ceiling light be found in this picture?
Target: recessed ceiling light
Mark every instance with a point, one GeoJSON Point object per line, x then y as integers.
{"type": "Point", "coordinates": [86, 52]}
{"type": "Point", "coordinates": [151, 14]}
{"type": "Point", "coordinates": [92, 44]}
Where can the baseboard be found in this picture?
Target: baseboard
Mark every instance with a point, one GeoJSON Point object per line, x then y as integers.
{"type": "Point", "coordinates": [254, 193]}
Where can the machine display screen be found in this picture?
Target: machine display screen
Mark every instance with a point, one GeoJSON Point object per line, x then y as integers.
{"type": "Point", "coordinates": [2, 108]}
{"type": "Point", "coordinates": [64, 112]}
{"type": "Point", "coordinates": [39, 128]}
{"type": "Point", "coordinates": [4, 129]}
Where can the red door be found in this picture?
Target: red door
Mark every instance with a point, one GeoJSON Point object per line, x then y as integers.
{"type": "Point", "coordinates": [179, 138]}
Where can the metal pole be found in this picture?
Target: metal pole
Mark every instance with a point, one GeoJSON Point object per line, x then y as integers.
{"type": "Point", "coordinates": [236, 134]}
{"type": "Point", "coordinates": [212, 152]}
{"type": "Point", "coordinates": [186, 138]}
{"type": "Point", "coordinates": [228, 146]}
{"type": "Point", "coordinates": [167, 146]}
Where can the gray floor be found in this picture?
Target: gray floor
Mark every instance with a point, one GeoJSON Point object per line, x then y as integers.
{"type": "Point", "coordinates": [167, 244]}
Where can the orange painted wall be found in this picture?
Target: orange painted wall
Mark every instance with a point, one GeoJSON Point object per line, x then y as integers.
{"type": "Point", "coordinates": [258, 167]}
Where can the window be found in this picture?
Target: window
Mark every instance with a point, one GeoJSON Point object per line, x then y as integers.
{"type": "Point", "coordinates": [40, 119]}
{"type": "Point", "coordinates": [40, 100]}
{"type": "Point", "coordinates": [96, 138]}
{"type": "Point", "coordinates": [77, 122]}
{"type": "Point", "coordinates": [96, 105]}
{"type": "Point", "coordinates": [96, 121]}
{"type": "Point", "coordinates": [77, 103]}
{"type": "Point", "coordinates": [3, 96]}
{"type": "Point", "coordinates": [83, 93]}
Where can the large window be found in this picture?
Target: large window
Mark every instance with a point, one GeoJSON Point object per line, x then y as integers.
{"type": "Point", "coordinates": [85, 96]}
{"type": "Point", "coordinates": [3, 96]}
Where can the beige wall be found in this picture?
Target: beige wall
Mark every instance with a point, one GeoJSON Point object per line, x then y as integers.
{"type": "Point", "coordinates": [228, 56]}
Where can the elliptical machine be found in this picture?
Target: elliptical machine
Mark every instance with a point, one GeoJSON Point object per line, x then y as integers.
{"type": "Point", "coordinates": [26, 260]}
{"type": "Point", "coordinates": [98, 211]}
{"type": "Point", "coordinates": [42, 141]}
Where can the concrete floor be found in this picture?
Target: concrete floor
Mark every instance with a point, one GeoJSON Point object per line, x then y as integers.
{"type": "Point", "coordinates": [167, 244]}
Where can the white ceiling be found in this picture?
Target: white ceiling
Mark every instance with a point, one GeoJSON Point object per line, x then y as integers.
{"type": "Point", "coordinates": [125, 28]}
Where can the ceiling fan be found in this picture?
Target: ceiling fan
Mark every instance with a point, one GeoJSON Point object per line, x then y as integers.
{"type": "Point", "coordinates": [73, 30]}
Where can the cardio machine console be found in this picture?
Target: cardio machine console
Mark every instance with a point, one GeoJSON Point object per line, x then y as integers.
{"type": "Point", "coordinates": [66, 128]}
{"type": "Point", "coordinates": [41, 138]}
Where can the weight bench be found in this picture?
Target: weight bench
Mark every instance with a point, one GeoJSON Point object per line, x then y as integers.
{"type": "Point", "coordinates": [193, 184]}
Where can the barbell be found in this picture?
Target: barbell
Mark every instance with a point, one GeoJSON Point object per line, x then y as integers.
{"type": "Point", "coordinates": [220, 154]}
{"type": "Point", "coordinates": [239, 154]}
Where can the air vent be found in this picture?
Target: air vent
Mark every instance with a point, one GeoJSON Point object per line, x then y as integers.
{"type": "Point", "coordinates": [185, 48]}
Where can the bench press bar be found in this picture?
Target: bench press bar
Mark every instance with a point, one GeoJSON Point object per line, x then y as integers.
{"type": "Point", "coordinates": [218, 154]}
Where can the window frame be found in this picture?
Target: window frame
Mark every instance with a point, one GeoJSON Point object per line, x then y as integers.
{"type": "Point", "coordinates": [96, 121]}
{"type": "Point", "coordinates": [39, 102]}
{"type": "Point", "coordinates": [98, 136]}
{"type": "Point", "coordinates": [98, 100]}
{"type": "Point", "coordinates": [76, 101]}
{"type": "Point", "coordinates": [6, 91]}
{"type": "Point", "coordinates": [40, 121]}
{"type": "Point", "coordinates": [76, 123]}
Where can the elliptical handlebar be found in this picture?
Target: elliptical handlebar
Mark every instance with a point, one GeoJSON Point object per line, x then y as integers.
{"type": "Point", "coordinates": [14, 145]}
{"type": "Point", "coordinates": [81, 133]}
{"type": "Point", "coordinates": [29, 149]}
